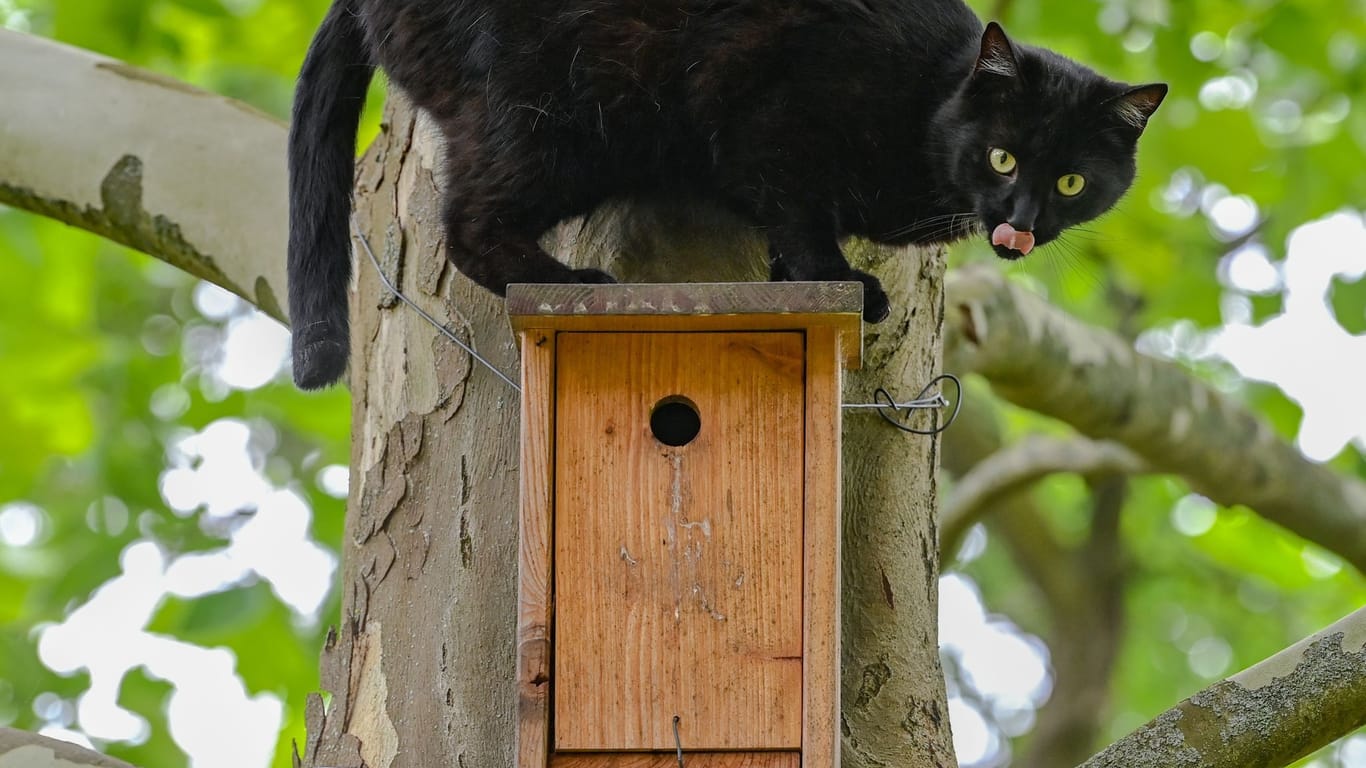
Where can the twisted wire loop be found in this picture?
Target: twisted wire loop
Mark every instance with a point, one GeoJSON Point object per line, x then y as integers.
{"type": "Point", "coordinates": [899, 414]}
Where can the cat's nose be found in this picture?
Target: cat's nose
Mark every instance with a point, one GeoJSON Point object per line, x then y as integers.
{"type": "Point", "coordinates": [1022, 218]}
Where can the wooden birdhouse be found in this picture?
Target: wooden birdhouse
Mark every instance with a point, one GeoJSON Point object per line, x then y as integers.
{"type": "Point", "coordinates": [680, 523]}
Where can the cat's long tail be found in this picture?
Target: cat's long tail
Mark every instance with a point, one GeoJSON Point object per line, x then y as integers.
{"type": "Point", "coordinates": [322, 154]}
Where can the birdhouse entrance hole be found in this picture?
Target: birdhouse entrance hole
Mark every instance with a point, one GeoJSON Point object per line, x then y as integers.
{"type": "Point", "coordinates": [675, 421]}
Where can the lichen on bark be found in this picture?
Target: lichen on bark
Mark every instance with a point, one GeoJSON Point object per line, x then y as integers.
{"type": "Point", "coordinates": [1264, 717]}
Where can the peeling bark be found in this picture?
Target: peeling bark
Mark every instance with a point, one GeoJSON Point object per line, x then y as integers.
{"type": "Point", "coordinates": [1040, 358]}
{"type": "Point", "coordinates": [420, 671]}
{"type": "Point", "coordinates": [1266, 716]}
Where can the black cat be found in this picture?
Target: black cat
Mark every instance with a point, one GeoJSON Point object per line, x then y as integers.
{"type": "Point", "coordinates": [902, 121]}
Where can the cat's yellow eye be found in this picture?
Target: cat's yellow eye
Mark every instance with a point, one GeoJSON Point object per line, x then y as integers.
{"type": "Point", "coordinates": [1071, 185]}
{"type": "Point", "coordinates": [1001, 161]}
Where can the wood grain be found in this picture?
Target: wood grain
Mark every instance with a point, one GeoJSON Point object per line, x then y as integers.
{"type": "Point", "coordinates": [821, 553]}
{"type": "Point", "coordinates": [678, 571]}
{"type": "Point", "coordinates": [670, 760]}
{"type": "Point", "coordinates": [693, 307]}
{"type": "Point", "coordinates": [534, 598]}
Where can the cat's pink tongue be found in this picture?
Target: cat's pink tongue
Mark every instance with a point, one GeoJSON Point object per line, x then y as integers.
{"type": "Point", "coordinates": [1012, 238]}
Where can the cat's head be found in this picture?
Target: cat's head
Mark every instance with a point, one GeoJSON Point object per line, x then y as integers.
{"type": "Point", "coordinates": [1037, 143]}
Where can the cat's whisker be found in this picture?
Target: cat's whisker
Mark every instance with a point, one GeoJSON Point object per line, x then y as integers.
{"type": "Point", "coordinates": [942, 233]}
{"type": "Point", "coordinates": [1090, 237]}
{"type": "Point", "coordinates": [932, 226]}
{"type": "Point", "coordinates": [918, 223]}
{"type": "Point", "coordinates": [1070, 255]}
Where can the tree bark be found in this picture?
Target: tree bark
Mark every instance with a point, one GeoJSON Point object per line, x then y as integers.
{"type": "Point", "coordinates": [420, 669]}
{"type": "Point", "coordinates": [894, 708]}
{"type": "Point", "coordinates": [1266, 716]}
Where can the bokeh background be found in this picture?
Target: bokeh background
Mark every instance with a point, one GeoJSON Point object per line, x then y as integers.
{"type": "Point", "coordinates": [171, 508]}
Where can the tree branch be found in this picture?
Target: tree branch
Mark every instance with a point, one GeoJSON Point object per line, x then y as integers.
{"type": "Point", "coordinates": [1038, 357]}
{"type": "Point", "coordinates": [190, 177]}
{"type": "Point", "coordinates": [1027, 461]}
{"type": "Point", "coordinates": [21, 749]}
{"type": "Point", "coordinates": [1263, 717]}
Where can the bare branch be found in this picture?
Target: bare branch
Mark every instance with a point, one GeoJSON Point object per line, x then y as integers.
{"type": "Point", "coordinates": [1027, 461]}
{"type": "Point", "coordinates": [1266, 716]}
{"type": "Point", "coordinates": [21, 749]}
{"type": "Point", "coordinates": [1038, 357]}
{"type": "Point", "coordinates": [190, 177]}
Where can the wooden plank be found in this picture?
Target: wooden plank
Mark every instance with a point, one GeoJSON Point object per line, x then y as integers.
{"type": "Point", "coordinates": [683, 307]}
{"type": "Point", "coordinates": [821, 555]}
{"type": "Point", "coordinates": [678, 570]}
{"type": "Point", "coordinates": [670, 760]}
{"type": "Point", "coordinates": [534, 598]}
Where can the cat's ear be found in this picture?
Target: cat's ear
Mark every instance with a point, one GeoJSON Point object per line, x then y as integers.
{"type": "Point", "coordinates": [1137, 104]}
{"type": "Point", "coordinates": [998, 55]}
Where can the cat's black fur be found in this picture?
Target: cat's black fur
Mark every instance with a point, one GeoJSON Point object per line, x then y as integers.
{"type": "Point", "coordinates": [814, 119]}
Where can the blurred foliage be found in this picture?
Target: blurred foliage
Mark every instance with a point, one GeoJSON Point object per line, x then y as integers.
{"type": "Point", "coordinates": [106, 361]}
{"type": "Point", "coordinates": [1266, 102]}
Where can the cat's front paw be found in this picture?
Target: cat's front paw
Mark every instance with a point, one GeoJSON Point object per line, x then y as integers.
{"type": "Point", "coordinates": [592, 276]}
{"type": "Point", "coordinates": [876, 305]}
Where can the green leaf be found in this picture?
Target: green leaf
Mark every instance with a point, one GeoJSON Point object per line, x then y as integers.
{"type": "Point", "coordinates": [1349, 304]}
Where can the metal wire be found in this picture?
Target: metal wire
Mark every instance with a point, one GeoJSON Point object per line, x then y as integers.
{"type": "Point", "coordinates": [886, 405]}
{"type": "Point", "coordinates": [365, 244]}
{"type": "Point", "coordinates": [678, 743]}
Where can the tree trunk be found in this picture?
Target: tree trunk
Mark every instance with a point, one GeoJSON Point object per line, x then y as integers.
{"type": "Point", "coordinates": [420, 670]}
